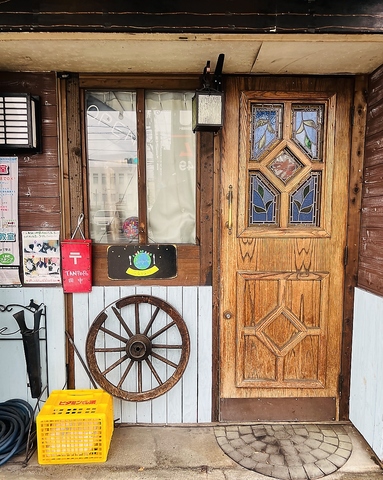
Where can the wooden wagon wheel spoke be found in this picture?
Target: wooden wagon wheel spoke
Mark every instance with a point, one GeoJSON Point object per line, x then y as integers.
{"type": "Point", "coordinates": [113, 334]}
{"type": "Point", "coordinates": [122, 321]}
{"type": "Point", "coordinates": [125, 374]}
{"type": "Point", "coordinates": [137, 316]}
{"type": "Point", "coordinates": [157, 334]}
{"type": "Point", "coordinates": [149, 325]}
{"type": "Point", "coordinates": [165, 360]}
{"type": "Point", "coordinates": [154, 371]}
{"type": "Point", "coordinates": [105, 349]}
{"type": "Point", "coordinates": [115, 364]}
{"type": "Point", "coordinates": [158, 345]}
{"type": "Point", "coordinates": [121, 354]}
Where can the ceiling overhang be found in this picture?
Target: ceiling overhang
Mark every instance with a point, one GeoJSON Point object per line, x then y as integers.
{"type": "Point", "coordinates": [279, 54]}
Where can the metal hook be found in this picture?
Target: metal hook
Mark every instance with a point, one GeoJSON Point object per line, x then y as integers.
{"type": "Point", "coordinates": [78, 227]}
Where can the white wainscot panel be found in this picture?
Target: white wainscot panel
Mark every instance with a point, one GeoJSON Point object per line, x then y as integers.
{"type": "Point", "coordinates": [366, 396]}
{"type": "Point", "coordinates": [189, 401]}
{"type": "Point", "coordinates": [13, 373]}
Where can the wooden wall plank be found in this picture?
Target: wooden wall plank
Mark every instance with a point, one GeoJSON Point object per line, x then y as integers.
{"type": "Point", "coordinates": [366, 397]}
{"type": "Point", "coordinates": [370, 280]}
{"type": "Point", "coordinates": [144, 409]}
{"type": "Point", "coordinates": [174, 405]}
{"type": "Point", "coordinates": [159, 410]}
{"type": "Point", "coordinates": [110, 296]}
{"type": "Point", "coordinates": [370, 273]}
{"type": "Point", "coordinates": [205, 343]}
{"type": "Point", "coordinates": [189, 379]}
{"type": "Point", "coordinates": [56, 340]}
{"type": "Point", "coordinates": [128, 409]}
{"type": "Point", "coordinates": [38, 182]}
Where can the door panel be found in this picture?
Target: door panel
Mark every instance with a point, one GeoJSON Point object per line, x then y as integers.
{"type": "Point", "coordinates": [284, 197]}
{"type": "Point", "coordinates": [282, 345]}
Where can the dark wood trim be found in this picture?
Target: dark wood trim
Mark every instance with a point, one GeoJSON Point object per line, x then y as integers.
{"type": "Point", "coordinates": [74, 151]}
{"type": "Point", "coordinates": [216, 277]}
{"type": "Point", "coordinates": [359, 113]}
{"type": "Point", "coordinates": [205, 169]}
{"type": "Point", "coordinates": [71, 187]}
{"type": "Point", "coordinates": [141, 154]}
{"type": "Point", "coordinates": [118, 81]}
{"type": "Point", "coordinates": [318, 409]}
{"type": "Point", "coordinates": [192, 17]}
{"type": "Point", "coordinates": [64, 158]}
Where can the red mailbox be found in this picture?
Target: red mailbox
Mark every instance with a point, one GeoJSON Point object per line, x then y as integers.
{"type": "Point", "coordinates": [76, 265]}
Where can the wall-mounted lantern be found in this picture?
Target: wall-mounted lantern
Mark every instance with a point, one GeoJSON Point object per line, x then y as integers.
{"type": "Point", "coordinates": [207, 103]}
{"type": "Point", "coordinates": [19, 121]}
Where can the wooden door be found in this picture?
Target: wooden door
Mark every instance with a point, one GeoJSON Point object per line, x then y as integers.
{"type": "Point", "coordinates": [284, 200]}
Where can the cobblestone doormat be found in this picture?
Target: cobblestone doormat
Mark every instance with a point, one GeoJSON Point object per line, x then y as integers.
{"type": "Point", "coordinates": [286, 452]}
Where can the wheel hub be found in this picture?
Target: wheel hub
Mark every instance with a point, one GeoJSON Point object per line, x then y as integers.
{"type": "Point", "coordinates": [139, 347]}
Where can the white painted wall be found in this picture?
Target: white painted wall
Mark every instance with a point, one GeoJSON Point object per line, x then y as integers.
{"type": "Point", "coordinates": [189, 401]}
{"type": "Point", "coordinates": [13, 373]}
{"type": "Point", "coordinates": [366, 397]}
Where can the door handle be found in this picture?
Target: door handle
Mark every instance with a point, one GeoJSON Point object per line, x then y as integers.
{"type": "Point", "coordinates": [229, 196]}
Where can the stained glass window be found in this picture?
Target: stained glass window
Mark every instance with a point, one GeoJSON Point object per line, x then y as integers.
{"type": "Point", "coordinates": [285, 165]}
{"type": "Point", "coordinates": [308, 129]}
{"type": "Point", "coordinates": [266, 128]}
{"type": "Point", "coordinates": [305, 201]}
{"type": "Point", "coordinates": [264, 201]}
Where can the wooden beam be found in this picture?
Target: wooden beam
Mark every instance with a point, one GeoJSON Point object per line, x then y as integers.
{"type": "Point", "coordinates": [353, 231]}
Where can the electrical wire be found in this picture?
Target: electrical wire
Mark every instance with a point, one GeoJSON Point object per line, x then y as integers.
{"type": "Point", "coordinates": [16, 420]}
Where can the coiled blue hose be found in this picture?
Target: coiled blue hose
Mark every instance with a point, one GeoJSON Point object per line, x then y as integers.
{"type": "Point", "coordinates": [16, 419]}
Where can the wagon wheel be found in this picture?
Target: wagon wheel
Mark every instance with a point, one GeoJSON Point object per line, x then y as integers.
{"type": "Point", "coordinates": [138, 347]}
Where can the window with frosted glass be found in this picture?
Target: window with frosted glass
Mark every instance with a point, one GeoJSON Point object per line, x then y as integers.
{"type": "Point", "coordinates": [112, 152]}
{"type": "Point", "coordinates": [119, 174]}
{"type": "Point", "coordinates": [170, 167]}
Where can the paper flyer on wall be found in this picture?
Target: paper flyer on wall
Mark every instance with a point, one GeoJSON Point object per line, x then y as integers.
{"type": "Point", "coordinates": [9, 237]}
{"type": "Point", "coordinates": [41, 257]}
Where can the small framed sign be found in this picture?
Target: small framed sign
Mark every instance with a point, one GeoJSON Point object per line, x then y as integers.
{"type": "Point", "coordinates": [142, 261]}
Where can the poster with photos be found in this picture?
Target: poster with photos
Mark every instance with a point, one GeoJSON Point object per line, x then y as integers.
{"type": "Point", "coordinates": [41, 257]}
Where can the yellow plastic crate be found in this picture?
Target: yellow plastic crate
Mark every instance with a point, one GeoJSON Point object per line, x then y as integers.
{"type": "Point", "coordinates": [75, 426]}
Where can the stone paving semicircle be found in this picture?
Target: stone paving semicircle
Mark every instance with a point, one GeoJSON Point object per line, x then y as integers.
{"type": "Point", "coordinates": [288, 451]}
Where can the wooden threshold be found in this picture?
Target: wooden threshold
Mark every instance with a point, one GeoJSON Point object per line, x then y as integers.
{"type": "Point", "coordinates": [318, 409]}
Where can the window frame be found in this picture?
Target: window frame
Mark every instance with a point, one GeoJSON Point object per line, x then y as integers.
{"type": "Point", "coordinates": [194, 262]}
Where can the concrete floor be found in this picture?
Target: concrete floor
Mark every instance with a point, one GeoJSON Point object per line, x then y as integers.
{"type": "Point", "coordinates": [178, 453]}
